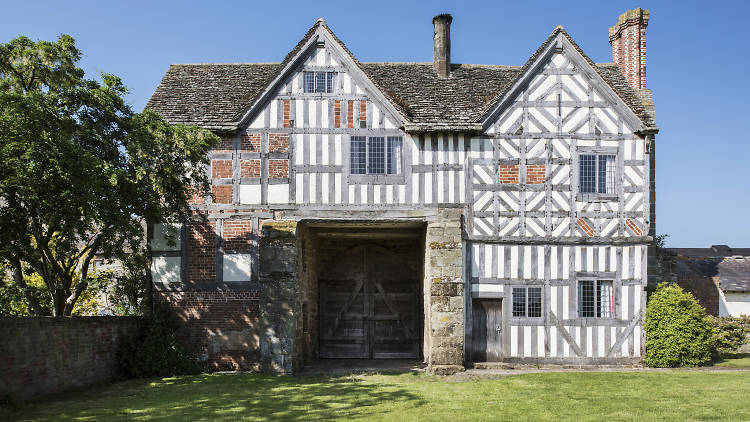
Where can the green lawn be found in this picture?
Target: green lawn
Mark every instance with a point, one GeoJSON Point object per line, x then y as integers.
{"type": "Point", "coordinates": [669, 395]}
{"type": "Point", "coordinates": [736, 360]}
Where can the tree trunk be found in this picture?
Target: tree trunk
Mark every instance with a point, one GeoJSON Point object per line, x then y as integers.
{"type": "Point", "coordinates": [20, 282]}
{"type": "Point", "coordinates": [58, 303]}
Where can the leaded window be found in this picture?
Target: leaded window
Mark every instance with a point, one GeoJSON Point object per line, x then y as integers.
{"type": "Point", "coordinates": [359, 155]}
{"type": "Point", "coordinates": [597, 173]}
{"type": "Point", "coordinates": [595, 299]}
{"type": "Point", "coordinates": [527, 302]}
{"type": "Point", "coordinates": [376, 155]}
{"type": "Point", "coordinates": [393, 162]}
{"type": "Point", "coordinates": [319, 82]}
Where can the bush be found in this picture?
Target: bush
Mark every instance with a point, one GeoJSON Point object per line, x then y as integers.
{"type": "Point", "coordinates": [153, 350]}
{"type": "Point", "coordinates": [678, 332]}
{"type": "Point", "coordinates": [730, 333]}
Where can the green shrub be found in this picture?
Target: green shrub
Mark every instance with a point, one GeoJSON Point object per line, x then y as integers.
{"type": "Point", "coordinates": [153, 350]}
{"type": "Point", "coordinates": [678, 332]}
{"type": "Point", "coordinates": [730, 333]}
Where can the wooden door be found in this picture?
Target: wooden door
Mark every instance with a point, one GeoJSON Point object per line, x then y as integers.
{"type": "Point", "coordinates": [487, 330]}
{"type": "Point", "coordinates": [369, 306]}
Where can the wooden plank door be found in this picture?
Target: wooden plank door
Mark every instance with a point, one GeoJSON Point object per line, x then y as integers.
{"type": "Point", "coordinates": [343, 307]}
{"type": "Point", "coordinates": [487, 326]}
{"type": "Point", "coordinates": [369, 307]}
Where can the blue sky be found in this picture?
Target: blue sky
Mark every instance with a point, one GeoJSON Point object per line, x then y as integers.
{"type": "Point", "coordinates": [697, 66]}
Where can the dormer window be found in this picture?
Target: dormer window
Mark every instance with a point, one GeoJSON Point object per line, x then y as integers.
{"type": "Point", "coordinates": [319, 82]}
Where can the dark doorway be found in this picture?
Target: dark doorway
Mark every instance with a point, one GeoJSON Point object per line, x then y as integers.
{"type": "Point", "coordinates": [487, 325]}
{"type": "Point", "coordinates": [370, 304]}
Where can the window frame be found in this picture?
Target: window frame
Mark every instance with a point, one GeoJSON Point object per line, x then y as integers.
{"type": "Point", "coordinates": [597, 297]}
{"type": "Point", "coordinates": [597, 196]}
{"type": "Point", "coordinates": [526, 301]}
{"type": "Point", "coordinates": [329, 79]}
{"type": "Point", "coordinates": [376, 177]}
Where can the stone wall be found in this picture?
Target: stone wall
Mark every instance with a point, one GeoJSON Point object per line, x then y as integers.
{"type": "Point", "coordinates": [444, 285]}
{"type": "Point", "coordinates": [44, 355]}
{"type": "Point", "coordinates": [280, 304]}
{"type": "Point", "coordinates": [307, 320]}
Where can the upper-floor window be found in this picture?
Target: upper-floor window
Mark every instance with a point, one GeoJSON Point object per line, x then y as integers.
{"type": "Point", "coordinates": [595, 298]}
{"type": "Point", "coordinates": [597, 173]}
{"type": "Point", "coordinates": [319, 81]}
{"type": "Point", "coordinates": [527, 302]}
{"type": "Point", "coordinates": [376, 155]}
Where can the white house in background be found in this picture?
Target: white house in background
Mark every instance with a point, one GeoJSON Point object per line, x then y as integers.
{"type": "Point", "coordinates": [719, 277]}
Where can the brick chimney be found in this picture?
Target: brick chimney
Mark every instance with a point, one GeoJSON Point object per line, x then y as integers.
{"type": "Point", "coordinates": [628, 39]}
{"type": "Point", "coordinates": [441, 42]}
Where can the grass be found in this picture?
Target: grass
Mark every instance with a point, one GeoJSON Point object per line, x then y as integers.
{"type": "Point", "coordinates": [667, 395]}
{"type": "Point", "coordinates": [734, 360]}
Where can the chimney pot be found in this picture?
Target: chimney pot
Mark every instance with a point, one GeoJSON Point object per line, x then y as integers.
{"type": "Point", "coordinates": [441, 41]}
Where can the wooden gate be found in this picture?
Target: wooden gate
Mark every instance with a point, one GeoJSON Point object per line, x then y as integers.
{"type": "Point", "coordinates": [370, 306]}
{"type": "Point", "coordinates": [487, 330]}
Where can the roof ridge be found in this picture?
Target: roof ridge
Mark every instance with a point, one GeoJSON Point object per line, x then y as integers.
{"type": "Point", "coordinates": [211, 94]}
{"type": "Point", "coordinates": [222, 64]}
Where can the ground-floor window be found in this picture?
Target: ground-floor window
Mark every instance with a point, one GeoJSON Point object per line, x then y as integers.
{"type": "Point", "coordinates": [527, 302]}
{"type": "Point", "coordinates": [595, 298]}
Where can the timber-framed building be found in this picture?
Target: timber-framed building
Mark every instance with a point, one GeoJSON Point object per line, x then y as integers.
{"type": "Point", "coordinates": [446, 212]}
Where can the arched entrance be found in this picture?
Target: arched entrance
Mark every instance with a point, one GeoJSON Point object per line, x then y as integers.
{"type": "Point", "coordinates": [370, 305]}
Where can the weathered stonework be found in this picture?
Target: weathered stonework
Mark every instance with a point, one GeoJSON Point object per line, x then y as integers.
{"type": "Point", "coordinates": [279, 297]}
{"type": "Point", "coordinates": [444, 288]}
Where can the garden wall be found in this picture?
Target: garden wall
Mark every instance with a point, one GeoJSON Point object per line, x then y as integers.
{"type": "Point", "coordinates": [44, 355]}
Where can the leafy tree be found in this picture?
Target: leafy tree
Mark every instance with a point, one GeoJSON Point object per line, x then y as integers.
{"type": "Point", "coordinates": [80, 171]}
{"type": "Point", "coordinates": [730, 333]}
{"type": "Point", "coordinates": [153, 350]}
{"type": "Point", "coordinates": [12, 299]}
{"type": "Point", "coordinates": [678, 332]}
{"type": "Point", "coordinates": [124, 290]}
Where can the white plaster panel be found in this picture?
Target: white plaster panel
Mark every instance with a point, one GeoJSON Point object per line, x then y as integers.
{"type": "Point", "coordinates": [237, 267]}
{"type": "Point", "coordinates": [166, 269]}
{"type": "Point", "coordinates": [527, 341]}
{"type": "Point", "coordinates": [278, 194]}
{"type": "Point", "coordinates": [250, 194]}
{"type": "Point", "coordinates": [163, 233]}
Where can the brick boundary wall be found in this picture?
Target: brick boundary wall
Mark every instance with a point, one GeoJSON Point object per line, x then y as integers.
{"type": "Point", "coordinates": [45, 355]}
{"type": "Point", "coordinates": [219, 328]}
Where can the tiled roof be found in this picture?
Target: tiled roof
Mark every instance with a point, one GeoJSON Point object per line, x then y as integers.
{"type": "Point", "coordinates": [209, 95]}
{"type": "Point", "coordinates": [216, 95]}
{"type": "Point", "coordinates": [731, 268]}
{"type": "Point", "coordinates": [427, 99]}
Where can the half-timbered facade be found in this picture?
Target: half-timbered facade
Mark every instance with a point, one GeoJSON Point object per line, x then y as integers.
{"type": "Point", "coordinates": [453, 213]}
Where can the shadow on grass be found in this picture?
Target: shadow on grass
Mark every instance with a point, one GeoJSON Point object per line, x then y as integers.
{"type": "Point", "coordinates": [225, 396]}
{"type": "Point", "coordinates": [733, 360]}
